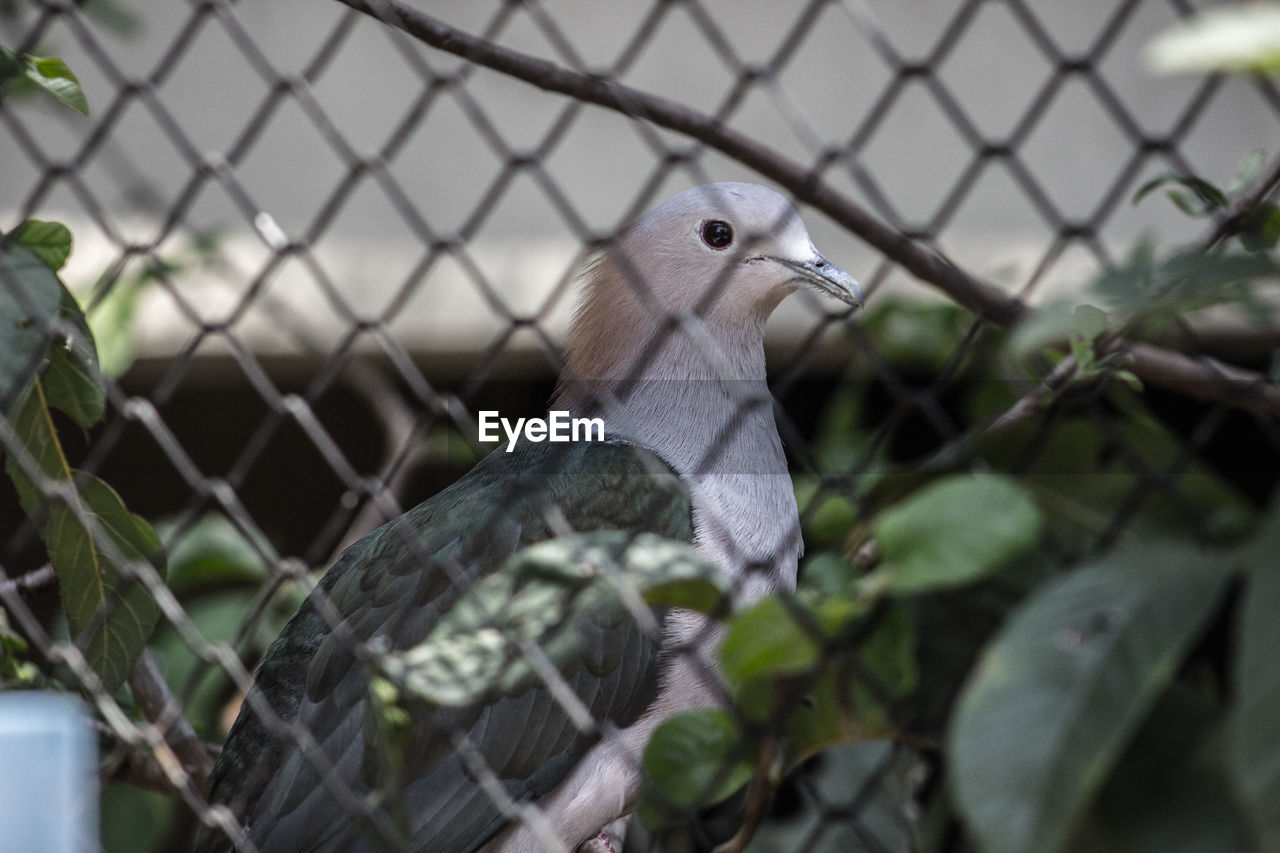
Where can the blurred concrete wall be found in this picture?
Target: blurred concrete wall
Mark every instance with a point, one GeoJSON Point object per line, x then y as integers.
{"type": "Point", "coordinates": [217, 101]}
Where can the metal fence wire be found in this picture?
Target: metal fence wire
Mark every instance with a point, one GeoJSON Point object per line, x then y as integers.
{"type": "Point", "coordinates": [315, 240]}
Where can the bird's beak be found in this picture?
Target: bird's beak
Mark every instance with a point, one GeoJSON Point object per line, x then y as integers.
{"type": "Point", "coordinates": [825, 278]}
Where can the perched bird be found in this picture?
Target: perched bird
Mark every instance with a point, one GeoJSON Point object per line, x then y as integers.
{"type": "Point", "coordinates": [667, 347]}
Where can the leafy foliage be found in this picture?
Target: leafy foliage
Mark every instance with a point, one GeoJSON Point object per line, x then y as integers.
{"type": "Point", "coordinates": [100, 551]}
{"type": "Point", "coordinates": [974, 601]}
{"type": "Point", "coordinates": [693, 760]}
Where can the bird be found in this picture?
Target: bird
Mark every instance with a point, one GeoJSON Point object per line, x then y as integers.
{"type": "Point", "coordinates": [666, 346]}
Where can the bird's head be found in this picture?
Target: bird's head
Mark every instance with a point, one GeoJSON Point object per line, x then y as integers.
{"type": "Point", "coordinates": [730, 250]}
{"type": "Point", "coordinates": [725, 253]}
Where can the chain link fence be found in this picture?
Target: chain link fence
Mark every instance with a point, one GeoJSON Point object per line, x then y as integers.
{"type": "Point", "coordinates": [314, 241]}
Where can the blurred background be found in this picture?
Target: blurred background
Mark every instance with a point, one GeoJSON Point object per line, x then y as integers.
{"type": "Point", "coordinates": [262, 192]}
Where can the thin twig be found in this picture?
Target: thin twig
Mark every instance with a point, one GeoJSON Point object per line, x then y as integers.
{"type": "Point", "coordinates": [1154, 365]}
{"type": "Point", "coordinates": [759, 795]}
{"type": "Point", "coordinates": [1225, 222]}
{"type": "Point", "coordinates": [163, 711]}
{"type": "Point", "coordinates": [1035, 399]}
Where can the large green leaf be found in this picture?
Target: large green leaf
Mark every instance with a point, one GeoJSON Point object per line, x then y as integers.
{"type": "Point", "coordinates": [29, 299]}
{"type": "Point", "coordinates": [767, 641]}
{"type": "Point", "coordinates": [110, 612]}
{"type": "Point", "coordinates": [954, 532]}
{"type": "Point", "coordinates": [1061, 690]}
{"type": "Point", "coordinates": [694, 760]}
{"type": "Point", "coordinates": [857, 687]}
{"type": "Point", "coordinates": [1170, 790]}
{"type": "Point", "coordinates": [212, 552]}
{"type": "Point", "coordinates": [1255, 726]}
{"type": "Point", "coordinates": [35, 434]}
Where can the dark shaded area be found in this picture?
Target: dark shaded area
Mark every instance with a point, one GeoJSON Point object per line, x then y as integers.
{"type": "Point", "coordinates": [291, 489]}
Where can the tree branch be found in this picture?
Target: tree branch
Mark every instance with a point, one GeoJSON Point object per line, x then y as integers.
{"type": "Point", "coordinates": [163, 711]}
{"type": "Point", "coordinates": [128, 764]}
{"type": "Point", "coordinates": [806, 183]}
{"type": "Point", "coordinates": [759, 795]}
{"type": "Point", "coordinates": [1201, 378]}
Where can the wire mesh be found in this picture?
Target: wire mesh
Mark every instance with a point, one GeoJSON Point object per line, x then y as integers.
{"type": "Point", "coordinates": [299, 413]}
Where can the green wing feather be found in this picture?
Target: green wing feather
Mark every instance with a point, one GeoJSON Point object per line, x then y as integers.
{"type": "Point", "coordinates": [392, 587]}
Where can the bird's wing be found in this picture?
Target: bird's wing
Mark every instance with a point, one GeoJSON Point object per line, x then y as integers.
{"type": "Point", "coordinates": [394, 584]}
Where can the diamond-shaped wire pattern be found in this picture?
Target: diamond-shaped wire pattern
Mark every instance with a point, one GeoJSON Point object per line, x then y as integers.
{"type": "Point", "coordinates": [313, 248]}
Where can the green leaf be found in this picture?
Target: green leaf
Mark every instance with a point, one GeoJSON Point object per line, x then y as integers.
{"type": "Point", "coordinates": [694, 760]}
{"type": "Point", "coordinates": [53, 75]}
{"type": "Point", "coordinates": [1188, 204]}
{"type": "Point", "coordinates": [110, 612]}
{"type": "Point", "coordinates": [1204, 195]}
{"type": "Point", "coordinates": [135, 819]}
{"type": "Point", "coordinates": [1201, 272]}
{"type": "Point", "coordinates": [888, 656]}
{"type": "Point", "coordinates": [828, 574]}
{"type": "Point", "coordinates": [213, 552]}
{"type": "Point", "coordinates": [1089, 322]}
{"type": "Point", "coordinates": [1055, 323]}
{"type": "Point", "coordinates": [1170, 791]}
{"type": "Point", "coordinates": [540, 596]}
{"type": "Point", "coordinates": [1048, 325]}
{"type": "Point", "coordinates": [17, 672]}
{"type": "Point", "coordinates": [29, 299]}
{"type": "Point", "coordinates": [954, 532]}
{"type": "Point", "coordinates": [1062, 688]}
{"type": "Point", "coordinates": [49, 241]}
{"type": "Point", "coordinates": [767, 641]}
{"type": "Point", "coordinates": [72, 381]}
{"type": "Point", "coordinates": [1260, 230]}
{"type": "Point", "coordinates": [1255, 724]}
{"type": "Point", "coordinates": [853, 696]}
{"type": "Point", "coordinates": [34, 430]}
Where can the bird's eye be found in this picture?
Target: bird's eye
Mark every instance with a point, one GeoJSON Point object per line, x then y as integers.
{"type": "Point", "coordinates": [717, 233]}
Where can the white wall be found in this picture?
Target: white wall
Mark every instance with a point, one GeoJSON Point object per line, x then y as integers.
{"type": "Point", "coordinates": [212, 89]}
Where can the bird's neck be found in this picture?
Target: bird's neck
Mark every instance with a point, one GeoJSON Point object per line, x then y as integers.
{"type": "Point", "coordinates": [698, 398]}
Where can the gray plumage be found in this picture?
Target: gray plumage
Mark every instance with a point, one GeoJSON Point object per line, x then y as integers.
{"type": "Point", "coordinates": [667, 346]}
